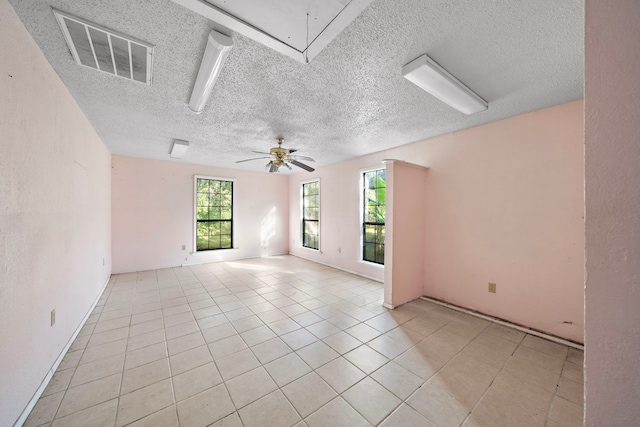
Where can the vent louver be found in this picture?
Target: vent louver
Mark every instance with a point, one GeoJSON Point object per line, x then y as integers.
{"type": "Point", "coordinates": [105, 50]}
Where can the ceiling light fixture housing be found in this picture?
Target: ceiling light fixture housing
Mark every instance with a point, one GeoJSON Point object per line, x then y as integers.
{"type": "Point", "coordinates": [105, 50]}
{"type": "Point", "coordinates": [431, 77]}
{"type": "Point", "coordinates": [218, 47]}
{"type": "Point", "coordinates": [179, 148]}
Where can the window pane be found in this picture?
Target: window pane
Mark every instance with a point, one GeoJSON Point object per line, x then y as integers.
{"type": "Point", "coordinates": [369, 233]}
{"type": "Point", "coordinates": [203, 229]}
{"type": "Point", "coordinates": [371, 197]}
{"type": "Point", "coordinates": [214, 200]}
{"type": "Point", "coordinates": [369, 252]}
{"type": "Point", "coordinates": [203, 185]}
{"type": "Point", "coordinates": [214, 242]}
{"type": "Point", "coordinates": [310, 214]}
{"type": "Point", "coordinates": [380, 254]}
{"type": "Point", "coordinates": [202, 212]}
{"type": "Point", "coordinates": [380, 234]}
{"type": "Point", "coordinates": [203, 199]}
{"type": "Point", "coordinates": [374, 195]}
{"type": "Point", "coordinates": [214, 212]}
{"type": "Point", "coordinates": [369, 178]}
{"type": "Point", "coordinates": [310, 240]}
{"type": "Point", "coordinates": [381, 196]}
{"type": "Point", "coordinates": [311, 227]}
{"type": "Point", "coordinates": [214, 186]}
{"type": "Point", "coordinates": [202, 243]}
{"type": "Point", "coordinates": [371, 217]}
{"type": "Point", "coordinates": [214, 228]}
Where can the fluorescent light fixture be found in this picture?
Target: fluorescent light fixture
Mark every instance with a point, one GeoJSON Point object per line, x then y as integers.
{"type": "Point", "coordinates": [218, 47]}
{"type": "Point", "coordinates": [179, 148]}
{"type": "Point", "coordinates": [425, 73]}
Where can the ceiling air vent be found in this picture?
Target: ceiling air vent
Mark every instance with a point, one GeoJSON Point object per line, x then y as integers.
{"type": "Point", "coordinates": [105, 50]}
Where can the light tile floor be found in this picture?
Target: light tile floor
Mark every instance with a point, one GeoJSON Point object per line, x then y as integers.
{"type": "Point", "coordinates": [286, 342]}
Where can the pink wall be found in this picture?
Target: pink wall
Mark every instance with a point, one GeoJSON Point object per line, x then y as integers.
{"type": "Point", "coordinates": [152, 211]}
{"type": "Point", "coordinates": [339, 216]}
{"type": "Point", "coordinates": [54, 216]}
{"type": "Point", "coordinates": [504, 204]}
{"type": "Point", "coordinates": [612, 180]}
{"type": "Point", "coordinates": [404, 274]}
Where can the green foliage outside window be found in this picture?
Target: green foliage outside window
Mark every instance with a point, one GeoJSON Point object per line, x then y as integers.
{"type": "Point", "coordinates": [214, 214]}
{"type": "Point", "coordinates": [375, 200]}
{"type": "Point", "coordinates": [311, 214]}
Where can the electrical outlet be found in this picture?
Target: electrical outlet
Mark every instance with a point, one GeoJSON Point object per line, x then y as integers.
{"type": "Point", "coordinates": [53, 317]}
{"type": "Point", "coordinates": [492, 287]}
{"type": "Point", "coordinates": [102, 261]}
{"type": "Point", "coordinates": [184, 247]}
{"type": "Point", "coordinates": [339, 250]}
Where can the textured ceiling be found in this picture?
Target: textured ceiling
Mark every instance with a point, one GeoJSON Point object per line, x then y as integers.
{"type": "Point", "coordinates": [297, 28]}
{"type": "Point", "coordinates": [350, 100]}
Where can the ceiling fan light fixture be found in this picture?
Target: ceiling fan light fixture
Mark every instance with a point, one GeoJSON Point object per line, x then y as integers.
{"type": "Point", "coordinates": [215, 54]}
{"type": "Point", "coordinates": [425, 73]}
{"type": "Point", "coordinates": [179, 148]}
{"type": "Point", "coordinates": [281, 156]}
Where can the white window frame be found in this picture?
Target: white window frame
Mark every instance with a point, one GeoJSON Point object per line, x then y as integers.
{"type": "Point", "coordinates": [194, 231]}
{"type": "Point", "coordinates": [302, 183]}
{"type": "Point", "coordinates": [361, 173]}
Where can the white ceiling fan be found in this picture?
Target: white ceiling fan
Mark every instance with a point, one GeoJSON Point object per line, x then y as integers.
{"type": "Point", "coordinates": [280, 156]}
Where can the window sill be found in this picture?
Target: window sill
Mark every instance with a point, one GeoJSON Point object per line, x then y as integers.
{"type": "Point", "coordinates": [210, 251]}
{"type": "Point", "coordinates": [372, 264]}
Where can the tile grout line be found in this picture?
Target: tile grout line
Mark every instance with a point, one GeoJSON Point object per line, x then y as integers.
{"type": "Point", "coordinates": [66, 351]}
{"type": "Point", "coordinates": [321, 290]}
{"type": "Point", "coordinates": [499, 321]}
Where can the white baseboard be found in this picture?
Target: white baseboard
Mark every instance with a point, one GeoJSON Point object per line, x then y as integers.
{"type": "Point", "coordinates": [507, 324]}
{"type": "Point", "coordinates": [339, 268]}
{"type": "Point", "coordinates": [188, 264]}
{"type": "Point", "coordinates": [45, 382]}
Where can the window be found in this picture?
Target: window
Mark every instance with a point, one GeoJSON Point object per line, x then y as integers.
{"type": "Point", "coordinates": [374, 209]}
{"type": "Point", "coordinates": [311, 214]}
{"type": "Point", "coordinates": [214, 214]}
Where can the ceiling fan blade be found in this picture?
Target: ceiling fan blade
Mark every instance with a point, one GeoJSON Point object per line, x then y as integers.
{"type": "Point", "coordinates": [292, 150]}
{"type": "Point", "coordinates": [302, 165]}
{"type": "Point", "coordinates": [260, 152]}
{"type": "Point", "coordinates": [296, 157]}
{"type": "Point", "coordinates": [255, 158]}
